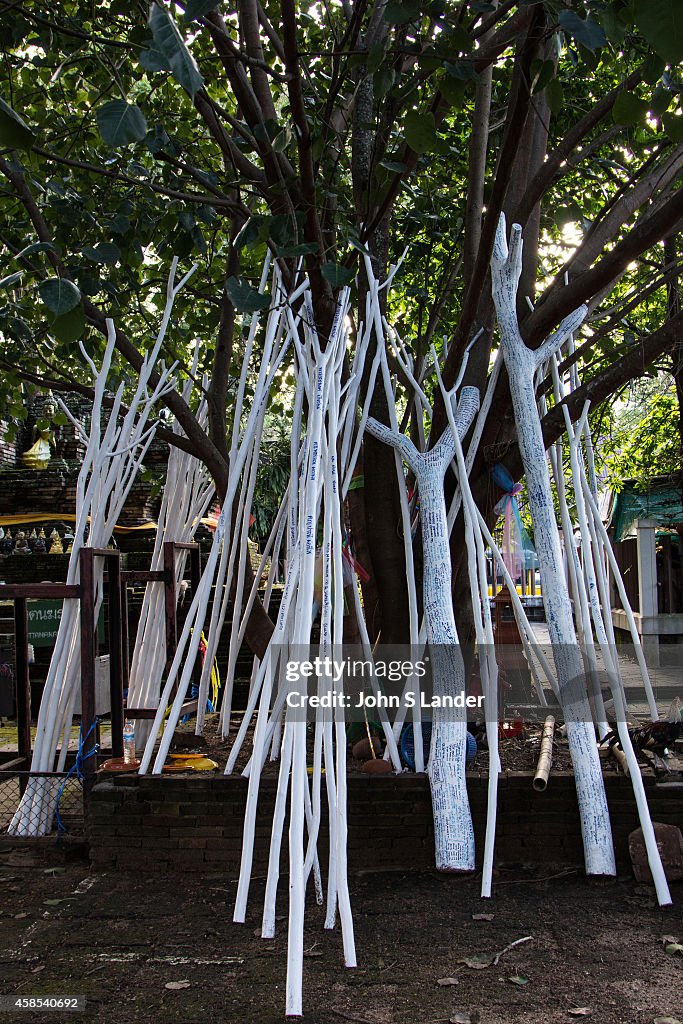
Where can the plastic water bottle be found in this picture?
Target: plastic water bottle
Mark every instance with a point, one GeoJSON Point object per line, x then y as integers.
{"type": "Point", "coordinates": [128, 741]}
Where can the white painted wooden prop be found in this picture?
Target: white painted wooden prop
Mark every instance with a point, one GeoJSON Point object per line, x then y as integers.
{"type": "Point", "coordinates": [453, 833]}
{"type": "Point", "coordinates": [522, 364]}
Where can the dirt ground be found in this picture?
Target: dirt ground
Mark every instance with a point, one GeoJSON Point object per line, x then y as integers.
{"type": "Point", "coordinates": [119, 939]}
{"type": "Point", "coordinates": [517, 753]}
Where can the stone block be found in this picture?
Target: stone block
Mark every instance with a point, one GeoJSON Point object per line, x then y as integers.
{"type": "Point", "coordinates": [670, 846]}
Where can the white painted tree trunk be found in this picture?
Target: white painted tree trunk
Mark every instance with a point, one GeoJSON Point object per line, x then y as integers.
{"type": "Point", "coordinates": [521, 364]}
{"type": "Point", "coordinates": [453, 833]}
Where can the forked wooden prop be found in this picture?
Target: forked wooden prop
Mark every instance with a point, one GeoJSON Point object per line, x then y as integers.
{"type": "Point", "coordinates": [522, 364]}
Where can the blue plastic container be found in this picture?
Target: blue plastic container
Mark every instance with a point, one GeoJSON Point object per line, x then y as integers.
{"type": "Point", "coordinates": [407, 745]}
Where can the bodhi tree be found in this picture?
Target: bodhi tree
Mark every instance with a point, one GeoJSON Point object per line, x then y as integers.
{"type": "Point", "coordinates": [326, 133]}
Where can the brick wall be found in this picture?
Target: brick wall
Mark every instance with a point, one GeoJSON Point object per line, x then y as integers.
{"type": "Point", "coordinates": [195, 824]}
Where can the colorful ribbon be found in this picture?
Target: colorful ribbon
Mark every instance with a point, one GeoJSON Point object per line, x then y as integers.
{"type": "Point", "coordinates": [518, 551]}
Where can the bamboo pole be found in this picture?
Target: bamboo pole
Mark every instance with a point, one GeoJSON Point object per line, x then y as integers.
{"type": "Point", "coordinates": [545, 755]}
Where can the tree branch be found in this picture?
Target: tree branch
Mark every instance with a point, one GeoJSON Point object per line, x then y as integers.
{"type": "Point", "coordinates": [560, 299]}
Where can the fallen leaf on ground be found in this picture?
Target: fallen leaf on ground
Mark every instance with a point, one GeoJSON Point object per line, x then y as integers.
{"type": "Point", "coordinates": [518, 979]}
{"type": "Point", "coordinates": [54, 871]}
{"type": "Point", "coordinates": [54, 903]}
{"type": "Point", "coordinates": [483, 917]}
{"type": "Point", "coordinates": [666, 939]}
{"type": "Point", "coordinates": [445, 982]}
{"type": "Point", "coordinates": [478, 962]}
{"type": "Point", "coordinates": [19, 917]}
{"type": "Point", "coordinates": [675, 948]}
{"type": "Point", "coordinates": [175, 985]}
{"type": "Point", "coordinates": [461, 1018]}
{"type": "Point", "coordinates": [580, 1011]}
{"type": "Point", "coordinates": [666, 1020]}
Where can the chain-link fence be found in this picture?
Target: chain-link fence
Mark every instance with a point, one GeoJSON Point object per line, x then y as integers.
{"type": "Point", "coordinates": [51, 804]}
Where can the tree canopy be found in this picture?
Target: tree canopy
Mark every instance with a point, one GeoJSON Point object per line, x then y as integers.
{"type": "Point", "coordinates": [322, 132]}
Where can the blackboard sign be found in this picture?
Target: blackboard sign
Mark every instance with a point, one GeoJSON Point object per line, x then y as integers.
{"type": "Point", "coordinates": [43, 622]}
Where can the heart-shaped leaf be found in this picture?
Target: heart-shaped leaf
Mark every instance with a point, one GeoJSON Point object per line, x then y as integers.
{"type": "Point", "coordinates": [661, 23]}
{"type": "Point", "coordinates": [70, 326]}
{"type": "Point", "coordinates": [244, 298]}
{"type": "Point", "coordinates": [587, 32]}
{"type": "Point", "coordinates": [14, 132]}
{"type": "Point", "coordinates": [60, 296]}
{"type": "Point", "coordinates": [198, 8]}
{"type": "Point", "coordinates": [121, 123]}
{"type": "Point", "coordinates": [336, 274]}
{"type": "Point", "coordinates": [169, 42]}
{"type": "Point", "coordinates": [420, 130]}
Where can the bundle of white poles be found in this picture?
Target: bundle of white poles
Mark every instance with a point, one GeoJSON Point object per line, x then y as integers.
{"type": "Point", "coordinates": [115, 448]}
{"type": "Point", "coordinates": [188, 490]}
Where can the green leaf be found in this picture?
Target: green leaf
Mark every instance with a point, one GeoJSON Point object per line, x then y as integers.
{"type": "Point", "coordinates": [14, 132]}
{"type": "Point", "coordinates": [11, 279]}
{"type": "Point", "coordinates": [383, 81]}
{"type": "Point", "coordinates": [105, 253]}
{"type": "Point", "coordinates": [518, 979]}
{"type": "Point", "coordinates": [59, 295]}
{"type": "Point", "coordinates": [673, 126]}
{"type": "Point", "coordinates": [121, 123]}
{"type": "Point", "coordinates": [375, 58]}
{"type": "Point", "coordinates": [452, 90]}
{"type": "Point", "coordinates": [70, 326]}
{"type": "Point", "coordinates": [250, 233]}
{"type": "Point", "coordinates": [337, 275]}
{"type": "Point", "coordinates": [587, 32]}
{"type": "Point", "coordinates": [542, 71]}
{"type": "Point", "coordinates": [154, 60]}
{"type": "Point", "coordinates": [244, 298]}
{"type": "Point", "coordinates": [628, 109]}
{"type": "Point", "coordinates": [287, 251]}
{"type": "Point", "coordinates": [168, 40]}
{"type": "Point", "coordinates": [661, 22]}
{"type": "Point", "coordinates": [400, 12]}
{"type": "Point", "coordinates": [281, 230]}
{"type": "Point", "coordinates": [653, 69]}
{"type": "Point", "coordinates": [36, 247]}
{"type": "Point", "coordinates": [393, 165]}
{"type": "Point", "coordinates": [660, 101]}
{"type": "Point", "coordinates": [420, 131]}
{"type": "Point", "coordinates": [461, 69]}
{"type": "Point", "coordinates": [198, 8]}
{"type": "Point", "coordinates": [555, 95]}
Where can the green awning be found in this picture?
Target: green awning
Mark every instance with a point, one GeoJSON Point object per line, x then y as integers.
{"type": "Point", "coordinates": [662, 502]}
